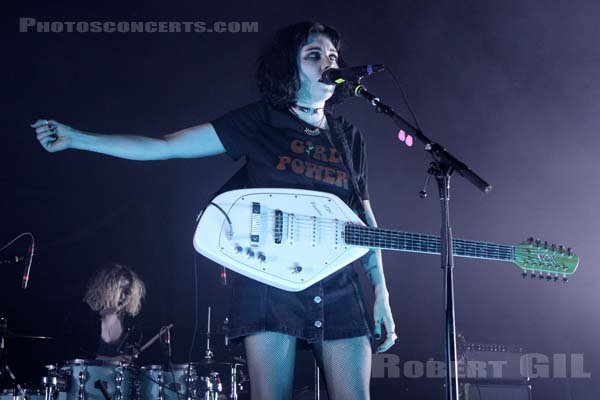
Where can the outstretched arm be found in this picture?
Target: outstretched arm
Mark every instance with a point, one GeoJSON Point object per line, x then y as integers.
{"type": "Point", "coordinates": [194, 142]}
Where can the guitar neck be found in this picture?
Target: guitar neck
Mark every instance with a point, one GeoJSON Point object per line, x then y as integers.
{"type": "Point", "coordinates": [387, 239]}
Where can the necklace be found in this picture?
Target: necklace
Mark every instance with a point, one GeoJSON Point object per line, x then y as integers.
{"type": "Point", "coordinates": [307, 130]}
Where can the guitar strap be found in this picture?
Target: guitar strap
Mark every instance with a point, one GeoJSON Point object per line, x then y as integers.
{"type": "Point", "coordinates": [337, 139]}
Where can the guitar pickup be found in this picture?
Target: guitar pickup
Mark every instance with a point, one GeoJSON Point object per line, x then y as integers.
{"type": "Point", "coordinates": [255, 225]}
{"type": "Point", "coordinates": [278, 227]}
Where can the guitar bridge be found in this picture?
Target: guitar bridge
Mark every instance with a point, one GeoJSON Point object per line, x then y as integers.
{"type": "Point", "coordinates": [278, 227]}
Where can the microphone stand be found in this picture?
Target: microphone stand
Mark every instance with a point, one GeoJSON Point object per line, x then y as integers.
{"type": "Point", "coordinates": [442, 168]}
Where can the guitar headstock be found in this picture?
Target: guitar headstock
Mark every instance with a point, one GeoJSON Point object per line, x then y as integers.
{"type": "Point", "coordinates": [545, 261]}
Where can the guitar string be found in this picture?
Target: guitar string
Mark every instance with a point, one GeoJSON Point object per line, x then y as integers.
{"type": "Point", "coordinates": [386, 236]}
{"type": "Point", "coordinates": [390, 238]}
{"type": "Point", "coordinates": [399, 240]}
{"type": "Point", "coordinates": [431, 245]}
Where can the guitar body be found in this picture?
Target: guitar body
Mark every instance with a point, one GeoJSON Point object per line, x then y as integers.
{"type": "Point", "coordinates": [286, 238]}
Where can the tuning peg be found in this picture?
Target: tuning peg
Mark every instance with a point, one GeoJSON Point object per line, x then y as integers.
{"type": "Point", "coordinates": [524, 274]}
{"type": "Point", "coordinates": [538, 242]}
{"type": "Point", "coordinates": [541, 276]}
{"type": "Point", "coordinates": [561, 248]}
{"type": "Point", "coordinates": [570, 252]}
{"type": "Point", "coordinates": [545, 244]}
{"type": "Point", "coordinates": [565, 279]}
{"type": "Point", "coordinates": [548, 278]}
{"type": "Point", "coordinates": [533, 275]}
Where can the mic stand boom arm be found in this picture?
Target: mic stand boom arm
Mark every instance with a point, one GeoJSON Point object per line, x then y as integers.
{"type": "Point", "coordinates": [442, 167]}
{"type": "Point", "coordinates": [438, 152]}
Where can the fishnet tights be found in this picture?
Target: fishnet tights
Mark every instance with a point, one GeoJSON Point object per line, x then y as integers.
{"type": "Point", "coordinates": [345, 363]}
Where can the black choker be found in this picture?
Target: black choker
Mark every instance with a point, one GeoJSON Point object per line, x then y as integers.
{"type": "Point", "coordinates": [308, 110]}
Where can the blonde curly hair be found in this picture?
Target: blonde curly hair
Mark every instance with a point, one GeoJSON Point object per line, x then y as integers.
{"type": "Point", "coordinates": [115, 288]}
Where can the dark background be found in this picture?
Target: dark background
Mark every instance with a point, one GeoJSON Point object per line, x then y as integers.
{"type": "Point", "coordinates": [510, 87]}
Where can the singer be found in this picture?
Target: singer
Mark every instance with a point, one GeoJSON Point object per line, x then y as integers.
{"type": "Point", "coordinates": [294, 112]}
{"type": "Point", "coordinates": [114, 292]}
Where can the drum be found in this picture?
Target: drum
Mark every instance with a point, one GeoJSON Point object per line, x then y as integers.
{"type": "Point", "coordinates": [178, 383]}
{"type": "Point", "coordinates": [87, 379]}
{"type": "Point", "coordinates": [195, 381]}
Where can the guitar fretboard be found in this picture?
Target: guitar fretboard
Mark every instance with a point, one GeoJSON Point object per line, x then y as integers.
{"type": "Point", "coordinates": [363, 236]}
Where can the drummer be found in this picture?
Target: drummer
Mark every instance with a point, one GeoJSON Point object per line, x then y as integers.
{"type": "Point", "coordinates": [115, 292]}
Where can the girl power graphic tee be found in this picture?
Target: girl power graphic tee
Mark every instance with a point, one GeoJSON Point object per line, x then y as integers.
{"type": "Point", "coordinates": [280, 155]}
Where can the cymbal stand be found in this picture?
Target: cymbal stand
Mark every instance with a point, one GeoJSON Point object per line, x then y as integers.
{"type": "Point", "coordinates": [6, 373]}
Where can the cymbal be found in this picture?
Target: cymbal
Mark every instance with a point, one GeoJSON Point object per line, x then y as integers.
{"type": "Point", "coordinates": [13, 335]}
{"type": "Point", "coordinates": [228, 359]}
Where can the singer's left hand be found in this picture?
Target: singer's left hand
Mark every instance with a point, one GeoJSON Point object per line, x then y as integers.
{"type": "Point", "coordinates": [382, 315]}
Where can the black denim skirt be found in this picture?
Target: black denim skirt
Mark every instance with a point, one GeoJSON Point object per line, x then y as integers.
{"type": "Point", "coordinates": [334, 308]}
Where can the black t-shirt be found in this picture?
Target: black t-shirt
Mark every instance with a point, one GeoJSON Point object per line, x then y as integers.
{"type": "Point", "coordinates": [280, 155]}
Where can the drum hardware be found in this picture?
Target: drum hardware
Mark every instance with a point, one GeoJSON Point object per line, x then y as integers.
{"type": "Point", "coordinates": [82, 378]}
{"type": "Point", "coordinates": [97, 380]}
{"type": "Point", "coordinates": [161, 388]}
{"type": "Point", "coordinates": [118, 382]}
{"type": "Point", "coordinates": [191, 380]}
{"type": "Point", "coordinates": [53, 383]}
{"type": "Point", "coordinates": [101, 385]}
{"type": "Point", "coordinates": [21, 394]}
{"type": "Point", "coordinates": [213, 386]}
{"type": "Point", "coordinates": [208, 354]}
{"type": "Point", "coordinates": [176, 382]}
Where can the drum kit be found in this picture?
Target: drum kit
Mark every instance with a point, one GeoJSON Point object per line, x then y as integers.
{"type": "Point", "coordinates": [83, 379]}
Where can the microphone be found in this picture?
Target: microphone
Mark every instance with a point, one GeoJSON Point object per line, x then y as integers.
{"type": "Point", "coordinates": [30, 251]}
{"type": "Point", "coordinates": [167, 342]}
{"type": "Point", "coordinates": [335, 76]}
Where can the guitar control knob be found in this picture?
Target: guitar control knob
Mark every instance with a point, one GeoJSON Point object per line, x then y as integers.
{"type": "Point", "coordinates": [249, 253]}
{"type": "Point", "coordinates": [297, 269]}
{"type": "Point", "coordinates": [261, 258]}
{"type": "Point", "coordinates": [238, 249]}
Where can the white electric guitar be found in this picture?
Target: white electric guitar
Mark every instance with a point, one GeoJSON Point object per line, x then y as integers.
{"type": "Point", "coordinates": [292, 239]}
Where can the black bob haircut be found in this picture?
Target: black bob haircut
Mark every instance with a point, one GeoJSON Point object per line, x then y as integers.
{"type": "Point", "coordinates": [277, 71]}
